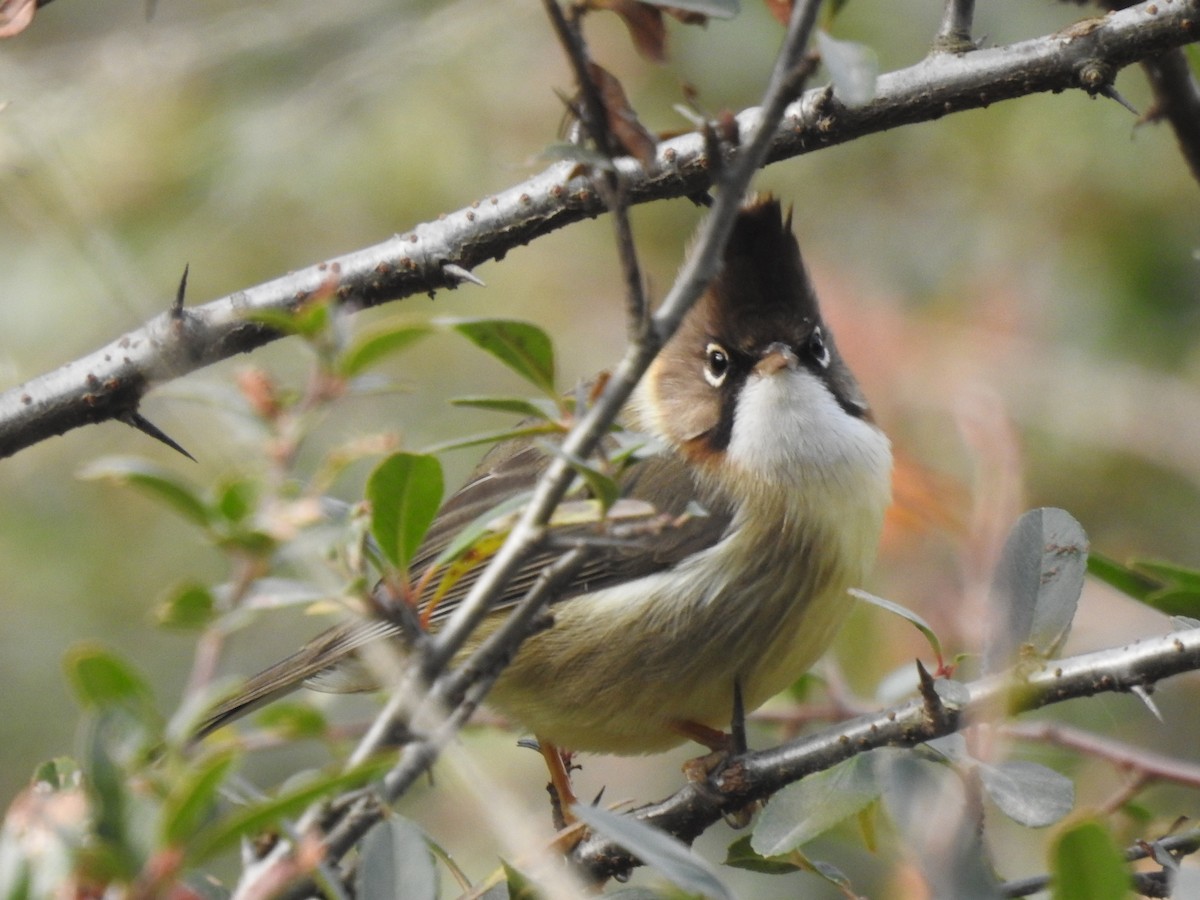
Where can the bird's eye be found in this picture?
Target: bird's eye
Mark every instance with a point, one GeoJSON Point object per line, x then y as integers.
{"type": "Point", "coordinates": [818, 348]}
{"type": "Point", "coordinates": [716, 364]}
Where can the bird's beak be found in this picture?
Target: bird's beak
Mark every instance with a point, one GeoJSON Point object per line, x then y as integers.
{"type": "Point", "coordinates": [776, 357]}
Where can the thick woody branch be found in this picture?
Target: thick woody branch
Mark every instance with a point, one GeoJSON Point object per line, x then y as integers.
{"type": "Point", "coordinates": [110, 383]}
{"type": "Point", "coordinates": [754, 776]}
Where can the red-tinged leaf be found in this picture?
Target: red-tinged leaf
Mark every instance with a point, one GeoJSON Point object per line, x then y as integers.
{"type": "Point", "coordinates": [630, 133]}
{"type": "Point", "coordinates": [780, 10]}
{"type": "Point", "coordinates": [15, 16]}
{"type": "Point", "coordinates": [645, 24]}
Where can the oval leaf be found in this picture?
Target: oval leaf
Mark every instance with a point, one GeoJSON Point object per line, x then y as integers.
{"type": "Point", "coordinates": [405, 491]}
{"type": "Point", "coordinates": [669, 856]}
{"type": "Point", "coordinates": [1028, 793]}
{"type": "Point", "coordinates": [103, 680]}
{"type": "Point", "coordinates": [193, 798]}
{"type": "Point", "coordinates": [808, 808]}
{"type": "Point", "coordinates": [1036, 586]}
{"type": "Point", "coordinates": [155, 480]}
{"type": "Point", "coordinates": [1087, 864]}
{"type": "Point", "coordinates": [376, 345]}
{"type": "Point", "coordinates": [523, 347]}
{"type": "Point", "coordinates": [188, 606]}
{"type": "Point", "coordinates": [396, 864]}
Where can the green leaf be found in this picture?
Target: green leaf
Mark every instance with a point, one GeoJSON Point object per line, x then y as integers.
{"type": "Point", "coordinates": [1029, 794]}
{"type": "Point", "coordinates": [516, 885]}
{"type": "Point", "coordinates": [373, 346]}
{"type": "Point", "coordinates": [672, 858]}
{"type": "Point", "coordinates": [293, 720]}
{"type": "Point", "coordinates": [101, 680]}
{"type": "Point", "coordinates": [1087, 864]}
{"type": "Point", "coordinates": [224, 834]}
{"type": "Point", "coordinates": [1036, 586]}
{"type": "Point", "coordinates": [810, 807]}
{"type": "Point", "coordinates": [236, 500]}
{"type": "Point", "coordinates": [521, 346]}
{"type": "Point", "coordinates": [741, 855]}
{"type": "Point", "coordinates": [1167, 587]}
{"type": "Point", "coordinates": [600, 485]}
{"type": "Point", "coordinates": [903, 612]}
{"type": "Point", "coordinates": [395, 864]}
{"type": "Point", "coordinates": [189, 606]}
{"type": "Point", "coordinates": [193, 798]}
{"type": "Point", "coordinates": [57, 773]}
{"type": "Point", "coordinates": [1126, 579]}
{"type": "Point", "coordinates": [158, 482]}
{"type": "Point", "coordinates": [405, 491]}
{"type": "Point", "coordinates": [281, 320]}
{"type": "Point", "coordinates": [112, 802]}
{"type": "Point", "coordinates": [520, 406]}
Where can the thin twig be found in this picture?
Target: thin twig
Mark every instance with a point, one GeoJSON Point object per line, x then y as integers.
{"type": "Point", "coordinates": [1124, 756]}
{"type": "Point", "coordinates": [954, 35]}
{"type": "Point", "coordinates": [610, 181]}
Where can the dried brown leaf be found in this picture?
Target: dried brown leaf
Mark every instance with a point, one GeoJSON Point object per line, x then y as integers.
{"type": "Point", "coordinates": [645, 24]}
{"type": "Point", "coordinates": [623, 122]}
{"type": "Point", "coordinates": [780, 9]}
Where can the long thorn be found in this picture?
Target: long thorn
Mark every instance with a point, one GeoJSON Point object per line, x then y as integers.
{"type": "Point", "coordinates": [136, 420]}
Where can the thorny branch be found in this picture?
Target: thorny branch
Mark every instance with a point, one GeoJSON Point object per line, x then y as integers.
{"type": "Point", "coordinates": [756, 775]}
{"type": "Point", "coordinates": [110, 383]}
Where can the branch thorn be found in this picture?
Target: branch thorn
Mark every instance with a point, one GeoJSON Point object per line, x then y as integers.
{"type": "Point", "coordinates": [136, 420]}
{"type": "Point", "coordinates": [177, 306]}
{"type": "Point", "coordinates": [934, 710]}
{"type": "Point", "coordinates": [1144, 695]}
{"type": "Point", "coordinates": [1113, 94]}
{"type": "Point", "coordinates": [456, 275]}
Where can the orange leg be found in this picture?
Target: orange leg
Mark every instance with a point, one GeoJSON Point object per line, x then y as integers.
{"type": "Point", "coordinates": [562, 796]}
{"type": "Point", "coordinates": [721, 746]}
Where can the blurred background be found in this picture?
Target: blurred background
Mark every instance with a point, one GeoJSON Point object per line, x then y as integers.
{"type": "Point", "coordinates": [1017, 289]}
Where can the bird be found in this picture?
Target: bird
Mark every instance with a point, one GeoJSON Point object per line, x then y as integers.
{"type": "Point", "coordinates": [768, 462]}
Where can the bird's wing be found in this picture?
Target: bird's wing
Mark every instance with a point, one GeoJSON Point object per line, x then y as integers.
{"type": "Point", "coordinates": [678, 522]}
{"type": "Point", "coordinates": [688, 523]}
